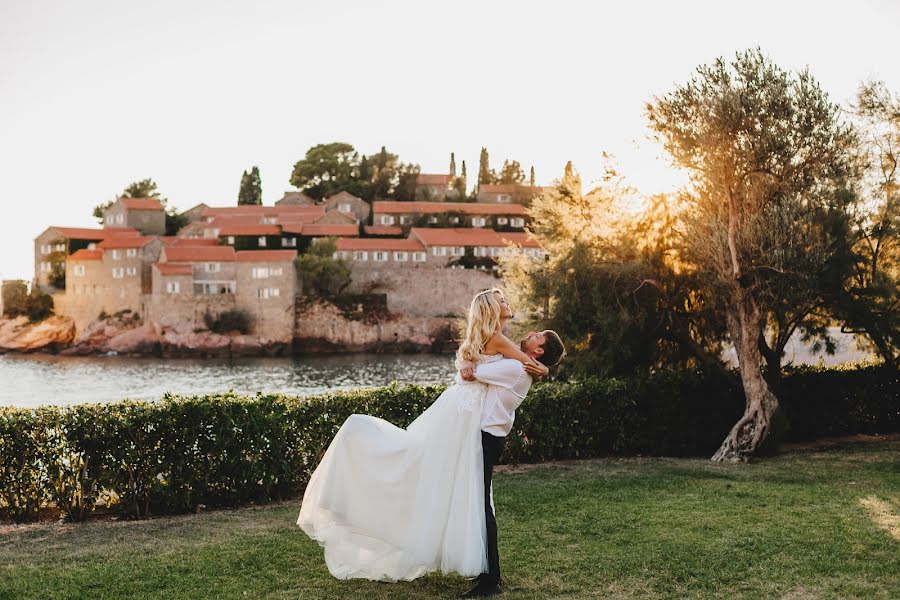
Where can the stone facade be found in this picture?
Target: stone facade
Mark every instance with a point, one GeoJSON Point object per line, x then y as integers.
{"type": "Point", "coordinates": [346, 202]}
{"type": "Point", "coordinates": [144, 214]}
{"type": "Point", "coordinates": [507, 193]}
{"type": "Point", "coordinates": [434, 187]}
{"type": "Point", "coordinates": [511, 217]}
{"type": "Point", "coordinates": [295, 199]}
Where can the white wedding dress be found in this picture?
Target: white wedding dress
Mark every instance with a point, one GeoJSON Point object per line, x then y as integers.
{"type": "Point", "coordinates": [394, 504]}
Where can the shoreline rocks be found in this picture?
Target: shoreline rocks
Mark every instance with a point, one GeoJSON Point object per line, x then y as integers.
{"type": "Point", "coordinates": [50, 335]}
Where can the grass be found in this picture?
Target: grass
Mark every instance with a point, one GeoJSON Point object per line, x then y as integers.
{"type": "Point", "coordinates": [805, 525]}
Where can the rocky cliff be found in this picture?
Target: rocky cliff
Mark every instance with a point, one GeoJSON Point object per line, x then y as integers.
{"type": "Point", "coordinates": [50, 335]}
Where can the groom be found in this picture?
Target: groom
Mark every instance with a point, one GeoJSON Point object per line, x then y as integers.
{"type": "Point", "coordinates": [508, 383]}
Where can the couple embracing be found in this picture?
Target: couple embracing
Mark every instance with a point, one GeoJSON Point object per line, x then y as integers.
{"type": "Point", "coordinates": [393, 504]}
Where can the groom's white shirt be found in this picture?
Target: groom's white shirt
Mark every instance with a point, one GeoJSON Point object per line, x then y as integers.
{"type": "Point", "coordinates": [508, 384]}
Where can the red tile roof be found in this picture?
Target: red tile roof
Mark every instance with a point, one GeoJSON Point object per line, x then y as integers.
{"type": "Point", "coordinates": [121, 241]}
{"type": "Point", "coordinates": [174, 268]}
{"type": "Point", "coordinates": [260, 211]}
{"type": "Point", "coordinates": [382, 230]}
{"type": "Point", "coordinates": [87, 233]}
{"type": "Point", "coordinates": [432, 236]}
{"type": "Point", "coordinates": [424, 208]}
{"type": "Point", "coordinates": [266, 255]}
{"type": "Point", "coordinates": [401, 244]}
{"type": "Point", "coordinates": [141, 203]}
{"type": "Point", "coordinates": [323, 230]}
{"type": "Point", "coordinates": [199, 253]}
{"type": "Point", "coordinates": [250, 230]}
{"type": "Point", "coordinates": [430, 179]}
{"type": "Point", "coordinates": [171, 240]}
{"type": "Point", "coordinates": [85, 254]}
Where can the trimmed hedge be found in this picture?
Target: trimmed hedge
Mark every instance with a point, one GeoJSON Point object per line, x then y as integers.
{"type": "Point", "coordinates": [181, 453]}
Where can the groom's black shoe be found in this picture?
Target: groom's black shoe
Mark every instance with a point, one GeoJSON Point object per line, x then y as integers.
{"type": "Point", "coordinates": [482, 588]}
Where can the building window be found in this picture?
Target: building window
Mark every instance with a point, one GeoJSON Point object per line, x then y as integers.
{"type": "Point", "coordinates": [439, 251]}
{"type": "Point", "coordinates": [45, 248]}
{"type": "Point", "coordinates": [401, 256]}
{"type": "Point", "coordinates": [262, 241]}
{"type": "Point", "coordinates": [404, 220]}
{"type": "Point", "coordinates": [79, 270]}
{"type": "Point", "coordinates": [259, 272]}
{"type": "Point", "coordinates": [380, 256]}
{"type": "Point", "coordinates": [387, 219]}
{"type": "Point", "coordinates": [214, 287]}
{"type": "Point", "coordinates": [131, 271]}
{"type": "Point", "coordinates": [481, 251]}
{"type": "Point", "coordinates": [454, 220]}
{"type": "Point", "coordinates": [92, 246]}
{"type": "Point", "coordinates": [116, 254]}
{"type": "Point", "coordinates": [270, 220]}
{"type": "Point", "coordinates": [120, 219]}
{"type": "Point", "coordinates": [276, 271]}
{"type": "Point", "coordinates": [288, 242]}
{"type": "Point", "coordinates": [432, 220]}
{"type": "Point", "coordinates": [517, 222]}
{"type": "Point", "coordinates": [457, 250]}
{"type": "Point", "coordinates": [344, 207]}
{"type": "Point", "coordinates": [496, 251]}
{"type": "Point", "coordinates": [360, 255]}
{"type": "Point", "coordinates": [131, 252]}
{"type": "Point", "coordinates": [504, 198]}
{"type": "Point", "coordinates": [173, 287]}
{"type": "Point", "coordinates": [212, 267]}
{"type": "Point", "coordinates": [418, 257]}
{"type": "Point", "coordinates": [478, 221]}
{"type": "Point", "coordinates": [502, 220]}
{"type": "Point", "coordinates": [266, 293]}
{"type": "Point", "coordinates": [118, 273]}
{"type": "Point", "coordinates": [60, 248]}
{"type": "Point", "coordinates": [230, 240]}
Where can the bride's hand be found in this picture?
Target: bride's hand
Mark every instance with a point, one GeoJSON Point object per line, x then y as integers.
{"type": "Point", "coordinates": [536, 369]}
{"type": "Point", "coordinates": [467, 373]}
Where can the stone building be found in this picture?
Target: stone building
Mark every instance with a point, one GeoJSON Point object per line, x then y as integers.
{"type": "Point", "coordinates": [55, 244]}
{"type": "Point", "coordinates": [506, 193]}
{"type": "Point", "coordinates": [144, 214]}
{"type": "Point", "coordinates": [511, 217]}
{"type": "Point", "coordinates": [447, 247]}
{"type": "Point", "coordinates": [434, 187]}
{"type": "Point", "coordinates": [398, 253]}
{"type": "Point", "coordinates": [346, 202]}
{"type": "Point", "coordinates": [266, 290]}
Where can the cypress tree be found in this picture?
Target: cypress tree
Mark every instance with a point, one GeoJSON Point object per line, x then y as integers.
{"type": "Point", "coordinates": [452, 164]}
{"type": "Point", "coordinates": [531, 178]}
{"type": "Point", "coordinates": [484, 169]}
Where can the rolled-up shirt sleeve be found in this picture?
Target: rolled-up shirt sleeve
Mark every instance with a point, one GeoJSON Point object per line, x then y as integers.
{"type": "Point", "coordinates": [504, 373]}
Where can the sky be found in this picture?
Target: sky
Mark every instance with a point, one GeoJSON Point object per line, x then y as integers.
{"type": "Point", "coordinates": [97, 94]}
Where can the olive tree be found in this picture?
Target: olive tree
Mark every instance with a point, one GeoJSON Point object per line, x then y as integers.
{"type": "Point", "coordinates": [770, 164]}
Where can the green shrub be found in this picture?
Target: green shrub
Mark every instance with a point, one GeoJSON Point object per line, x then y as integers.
{"type": "Point", "coordinates": [179, 453]}
{"type": "Point", "coordinates": [40, 306]}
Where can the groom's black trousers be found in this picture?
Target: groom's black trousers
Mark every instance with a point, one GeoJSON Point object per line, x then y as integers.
{"type": "Point", "coordinates": [492, 447]}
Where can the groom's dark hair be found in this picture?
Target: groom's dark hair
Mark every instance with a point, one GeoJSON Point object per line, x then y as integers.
{"type": "Point", "coordinates": [553, 349]}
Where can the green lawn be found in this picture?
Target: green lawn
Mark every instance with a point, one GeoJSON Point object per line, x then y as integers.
{"type": "Point", "coordinates": [809, 524]}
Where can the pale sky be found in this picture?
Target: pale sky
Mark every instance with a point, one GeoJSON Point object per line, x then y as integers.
{"type": "Point", "coordinates": [97, 94]}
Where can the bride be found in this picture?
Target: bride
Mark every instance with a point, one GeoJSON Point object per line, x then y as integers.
{"type": "Point", "coordinates": [394, 504]}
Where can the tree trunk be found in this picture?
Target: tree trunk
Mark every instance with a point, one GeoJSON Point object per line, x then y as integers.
{"type": "Point", "coordinates": [748, 433]}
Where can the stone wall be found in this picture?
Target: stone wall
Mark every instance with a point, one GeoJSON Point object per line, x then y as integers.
{"type": "Point", "coordinates": [422, 292]}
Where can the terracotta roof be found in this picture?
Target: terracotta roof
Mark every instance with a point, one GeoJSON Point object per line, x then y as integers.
{"type": "Point", "coordinates": [85, 254]}
{"type": "Point", "coordinates": [268, 211]}
{"type": "Point", "coordinates": [508, 188]}
{"type": "Point", "coordinates": [199, 253]}
{"type": "Point", "coordinates": [87, 233]}
{"type": "Point", "coordinates": [250, 230]}
{"type": "Point", "coordinates": [409, 245]}
{"type": "Point", "coordinates": [141, 203]}
{"type": "Point", "coordinates": [171, 240]}
{"type": "Point", "coordinates": [122, 241]}
{"type": "Point", "coordinates": [174, 268]}
{"type": "Point", "coordinates": [311, 230]}
{"type": "Point", "coordinates": [433, 236]}
{"type": "Point", "coordinates": [431, 179]}
{"type": "Point", "coordinates": [266, 255]}
{"type": "Point", "coordinates": [425, 208]}
{"type": "Point", "coordinates": [382, 230]}
{"type": "Point", "coordinates": [343, 195]}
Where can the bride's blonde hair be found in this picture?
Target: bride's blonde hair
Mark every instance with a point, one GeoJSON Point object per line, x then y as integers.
{"type": "Point", "coordinates": [483, 320]}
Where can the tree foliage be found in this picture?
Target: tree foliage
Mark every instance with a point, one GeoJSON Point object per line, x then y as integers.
{"type": "Point", "coordinates": [250, 191]}
{"type": "Point", "coordinates": [766, 217]}
{"type": "Point", "coordinates": [319, 272]}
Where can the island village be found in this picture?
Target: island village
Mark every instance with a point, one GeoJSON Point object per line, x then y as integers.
{"type": "Point", "coordinates": [128, 288]}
